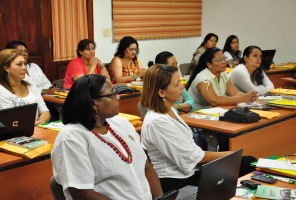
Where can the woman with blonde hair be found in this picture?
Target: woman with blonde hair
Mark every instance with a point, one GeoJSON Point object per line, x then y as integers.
{"type": "Point", "coordinates": [14, 91]}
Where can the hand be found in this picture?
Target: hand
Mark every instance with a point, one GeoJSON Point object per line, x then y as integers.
{"type": "Point", "coordinates": [93, 63]}
{"type": "Point", "coordinates": [51, 91]}
{"type": "Point", "coordinates": [251, 96]}
{"type": "Point", "coordinates": [141, 72]}
{"type": "Point", "coordinates": [39, 121]}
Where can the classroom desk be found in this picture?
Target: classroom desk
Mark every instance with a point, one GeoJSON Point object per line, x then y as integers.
{"type": "Point", "coordinates": [276, 184]}
{"type": "Point", "coordinates": [128, 103]}
{"type": "Point", "coordinates": [291, 81]}
{"type": "Point", "coordinates": [22, 178]}
{"type": "Point", "coordinates": [266, 137]}
{"type": "Point", "coordinates": [276, 75]}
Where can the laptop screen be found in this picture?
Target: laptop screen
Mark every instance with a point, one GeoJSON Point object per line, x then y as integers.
{"type": "Point", "coordinates": [218, 179]}
{"type": "Point", "coordinates": [17, 121]}
{"type": "Point", "coordinates": [267, 57]}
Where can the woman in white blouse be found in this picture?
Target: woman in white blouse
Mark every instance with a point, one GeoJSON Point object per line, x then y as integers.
{"type": "Point", "coordinates": [166, 137]}
{"type": "Point", "coordinates": [249, 76]}
{"type": "Point", "coordinates": [14, 91]}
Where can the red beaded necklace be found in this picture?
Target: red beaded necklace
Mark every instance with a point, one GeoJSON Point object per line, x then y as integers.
{"type": "Point", "coordinates": [129, 157]}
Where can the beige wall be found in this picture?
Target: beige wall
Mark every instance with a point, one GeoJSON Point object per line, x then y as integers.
{"type": "Point", "coordinates": [266, 23]}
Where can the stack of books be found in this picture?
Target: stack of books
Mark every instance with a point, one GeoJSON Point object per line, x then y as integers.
{"type": "Point", "coordinates": [27, 147]}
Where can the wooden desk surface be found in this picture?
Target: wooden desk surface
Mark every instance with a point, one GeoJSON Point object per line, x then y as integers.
{"type": "Point", "coordinates": [290, 79]}
{"type": "Point", "coordinates": [45, 134]}
{"type": "Point", "coordinates": [128, 103]}
{"type": "Point", "coordinates": [232, 129]}
{"type": "Point", "coordinates": [276, 184]}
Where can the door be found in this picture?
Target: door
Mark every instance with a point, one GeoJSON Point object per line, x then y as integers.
{"type": "Point", "coordinates": [29, 21]}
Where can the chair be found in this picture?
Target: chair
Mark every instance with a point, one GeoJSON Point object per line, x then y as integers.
{"type": "Point", "coordinates": [58, 83]}
{"type": "Point", "coordinates": [142, 110]}
{"type": "Point", "coordinates": [56, 190]}
{"type": "Point", "coordinates": [185, 69]}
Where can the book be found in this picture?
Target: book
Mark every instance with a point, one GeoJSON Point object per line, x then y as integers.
{"type": "Point", "coordinates": [271, 192]}
{"type": "Point", "coordinates": [26, 142]}
{"type": "Point", "coordinates": [282, 172]}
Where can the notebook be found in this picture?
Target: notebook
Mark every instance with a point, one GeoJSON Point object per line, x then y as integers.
{"type": "Point", "coordinates": [217, 180]}
{"type": "Point", "coordinates": [267, 57]}
{"type": "Point", "coordinates": [17, 121]}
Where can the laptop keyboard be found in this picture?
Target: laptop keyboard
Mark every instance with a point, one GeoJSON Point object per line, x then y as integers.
{"type": "Point", "coordinates": [188, 192]}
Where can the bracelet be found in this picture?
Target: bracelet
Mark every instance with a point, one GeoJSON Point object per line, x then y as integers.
{"type": "Point", "coordinates": [42, 91]}
{"type": "Point", "coordinates": [134, 77]}
{"type": "Point", "coordinates": [178, 106]}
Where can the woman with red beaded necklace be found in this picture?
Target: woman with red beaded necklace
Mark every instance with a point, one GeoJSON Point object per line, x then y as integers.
{"type": "Point", "coordinates": [98, 154]}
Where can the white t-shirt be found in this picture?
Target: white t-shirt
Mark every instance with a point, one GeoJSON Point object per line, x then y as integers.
{"type": "Point", "coordinates": [83, 161]}
{"type": "Point", "coordinates": [9, 100]}
{"type": "Point", "coordinates": [241, 79]}
{"type": "Point", "coordinates": [37, 77]}
{"type": "Point", "coordinates": [170, 145]}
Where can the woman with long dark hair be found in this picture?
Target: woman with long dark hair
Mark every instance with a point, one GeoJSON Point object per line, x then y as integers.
{"type": "Point", "coordinates": [210, 41]}
{"type": "Point", "coordinates": [209, 84]}
{"type": "Point", "coordinates": [249, 75]}
{"type": "Point", "coordinates": [125, 67]}
{"type": "Point", "coordinates": [231, 51]}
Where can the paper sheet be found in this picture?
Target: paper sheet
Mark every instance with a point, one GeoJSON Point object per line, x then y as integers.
{"type": "Point", "coordinates": [217, 111]}
{"type": "Point", "coordinates": [277, 164]}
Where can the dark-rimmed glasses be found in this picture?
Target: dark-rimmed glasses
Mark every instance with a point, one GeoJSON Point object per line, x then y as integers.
{"type": "Point", "coordinates": [220, 60]}
{"type": "Point", "coordinates": [111, 96]}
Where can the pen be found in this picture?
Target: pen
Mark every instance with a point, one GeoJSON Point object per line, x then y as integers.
{"type": "Point", "coordinates": [280, 178]}
{"type": "Point", "coordinates": [283, 179]}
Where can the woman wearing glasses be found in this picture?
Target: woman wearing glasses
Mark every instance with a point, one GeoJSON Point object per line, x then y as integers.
{"type": "Point", "coordinates": [85, 63]}
{"type": "Point", "coordinates": [210, 85]}
{"type": "Point", "coordinates": [249, 76]}
{"type": "Point", "coordinates": [98, 154]}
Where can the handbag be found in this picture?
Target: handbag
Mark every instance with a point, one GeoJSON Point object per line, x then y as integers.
{"type": "Point", "coordinates": [240, 115]}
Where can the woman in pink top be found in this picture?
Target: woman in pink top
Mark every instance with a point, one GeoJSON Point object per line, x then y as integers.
{"type": "Point", "coordinates": [86, 63]}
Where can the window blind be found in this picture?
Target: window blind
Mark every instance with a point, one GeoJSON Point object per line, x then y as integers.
{"type": "Point", "coordinates": [156, 19]}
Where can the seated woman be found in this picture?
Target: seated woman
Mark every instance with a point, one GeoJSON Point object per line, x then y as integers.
{"type": "Point", "coordinates": [186, 103]}
{"type": "Point", "coordinates": [231, 51]}
{"type": "Point", "coordinates": [210, 85]}
{"type": "Point", "coordinates": [36, 76]}
{"type": "Point", "coordinates": [14, 91]}
{"type": "Point", "coordinates": [86, 63]}
{"type": "Point", "coordinates": [166, 137]}
{"type": "Point", "coordinates": [249, 76]}
{"type": "Point", "coordinates": [210, 41]}
{"type": "Point", "coordinates": [98, 154]}
{"type": "Point", "coordinates": [125, 67]}
{"type": "Point", "coordinates": [34, 73]}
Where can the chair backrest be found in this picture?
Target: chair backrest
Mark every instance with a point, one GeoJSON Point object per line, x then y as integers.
{"type": "Point", "coordinates": [185, 69]}
{"type": "Point", "coordinates": [56, 190]}
{"type": "Point", "coordinates": [58, 83]}
{"type": "Point", "coordinates": [142, 110]}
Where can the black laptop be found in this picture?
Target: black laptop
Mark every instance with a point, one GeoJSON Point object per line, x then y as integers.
{"type": "Point", "coordinates": [267, 57]}
{"type": "Point", "coordinates": [17, 121]}
{"type": "Point", "coordinates": [217, 180]}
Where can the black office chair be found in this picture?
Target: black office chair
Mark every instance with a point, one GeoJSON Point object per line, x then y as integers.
{"type": "Point", "coordinates": [142, 110]}
{"type": "Point", "coordinates": [56, 190]}
{"type": "Point", "coordinates": [58, 83]}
